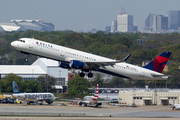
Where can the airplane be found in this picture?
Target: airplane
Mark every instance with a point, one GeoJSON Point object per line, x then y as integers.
{"type": "Point", "coordinates": [91, 100]}
{"type": "Point", "coordinates": [32, 97]}
{"type": "Point", "coordinates": [175, 106]}
{"type": "Point", "coordinates": [74, 59]}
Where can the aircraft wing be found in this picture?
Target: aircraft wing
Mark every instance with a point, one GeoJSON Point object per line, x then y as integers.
{"type": "Point", "coordinates": [98, 64]}
{"type": "Point", "coordinates": [106, 63]}
{"type": "Point", "coordinates": [85, 102]}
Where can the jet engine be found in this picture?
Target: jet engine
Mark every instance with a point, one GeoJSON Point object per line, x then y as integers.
{"type": "Point", "coordinates": [76, 64]}
{"type": "Point", "coordinates": [49, 101]}
{"type": "Point", "coordinates": [80, 103]}
{"type": "Point", "coordinates": [64, 65]}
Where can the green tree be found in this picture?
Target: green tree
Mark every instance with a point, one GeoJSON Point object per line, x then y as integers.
{"type": "Point", "coordinates": [24, 86]}
{"type": "Point", "coordinates": [125, 41]}
{"type": "Point", "coordinates": [117, 82]}
{"type": "Point", "coordinates": [174, 79]}
{"type": "Point", "coordinates": [47, 82]}
{"type": "Point", "coordinates": [6, 84]}
{"type": "Point", "coordinates": [97, 79]}
{"type": "Point", "coordinates": [78, 87]}
{"type": "Point", "coordinates": [30, 86]}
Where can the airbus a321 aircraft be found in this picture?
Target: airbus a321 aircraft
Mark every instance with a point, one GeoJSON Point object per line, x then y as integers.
{"type": "Point", "coordinates": [70, 58]}
{"type": "Point", "coordinates": [91, 100]}
{"type": "Point", "coordinates": [32, 97]}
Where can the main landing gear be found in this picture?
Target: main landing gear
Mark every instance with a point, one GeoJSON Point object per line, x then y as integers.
{"type": "Point", "coordinates": [82, 74]}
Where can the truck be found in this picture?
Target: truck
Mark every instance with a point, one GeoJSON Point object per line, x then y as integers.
{"type": "Point", "coordinates": [4, 99]}
{"type": "Point", "coordinates": [10, 99]}
{"type": "Point", "coordinates": [7, 99]}
{"type": "Point", "coordinates": [1, 97]}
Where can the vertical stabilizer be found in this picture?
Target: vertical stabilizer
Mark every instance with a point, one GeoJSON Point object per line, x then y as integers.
{"type": "Point", "coordinates": [159, 62]}
{"type": "Point", "coordinates": [15, 88]}
{"type": "Point", "coordinates": [97, 91]}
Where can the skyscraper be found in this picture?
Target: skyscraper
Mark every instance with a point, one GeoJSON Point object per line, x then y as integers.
{"type": "Point", "coordinates": [149, 22]}
{"type": "Point", "coordinates": [173, 19]}
{"type": "Point", "coordinates": [114, 26]}
{"type": "Point", "coordinates": [124, 21]}
{"type": "Point", "coordinates": [156, 22]}
{"type": "Point", "coordinates": [162, 22]}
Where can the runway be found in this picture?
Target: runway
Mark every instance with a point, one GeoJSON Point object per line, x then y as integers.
{"type": "Point", "coordinates": [103, 111]}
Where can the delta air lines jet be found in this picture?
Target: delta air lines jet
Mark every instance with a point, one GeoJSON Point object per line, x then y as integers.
{"type": "Point", "coordinates": [74, 59]}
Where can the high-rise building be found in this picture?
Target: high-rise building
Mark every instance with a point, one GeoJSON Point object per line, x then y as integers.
{"type": "Point", "coordinates": [174, 19]}
{"type": "Point", "coordinates": [114, 26]}
{"type": "Point", "coordinates": [156, 22]}
{"type": "Point", "coordinates": [124, 21]}
{"type": "Point", "coordinates": [149, 22]}
{"type": "Point", "coordinates": [162, 23]}
{"type": "Point", "coordinates": [108, 29]}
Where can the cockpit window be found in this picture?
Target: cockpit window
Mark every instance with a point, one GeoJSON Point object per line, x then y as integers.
{"type": "Point", "coordinates": [21, 41]}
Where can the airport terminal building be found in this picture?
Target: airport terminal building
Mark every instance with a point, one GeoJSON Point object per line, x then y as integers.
{"type": "Point", "coordinates": [41, 66]}
{"type": "Point", "coordinates": [150, 97]}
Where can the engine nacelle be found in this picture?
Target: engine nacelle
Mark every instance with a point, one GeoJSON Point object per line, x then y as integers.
{"type": "Point", "coordinates": [80, 103]}
{"type": "Point", "coordinates": [76, 64]}
{"type": "Point", "coordinates": [64, 65]}
{"type": "Point", "coordinates": [49, 101]}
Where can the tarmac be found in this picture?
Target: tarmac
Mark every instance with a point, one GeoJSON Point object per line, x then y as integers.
{"type": "Point", "coordinates": [106, 112]}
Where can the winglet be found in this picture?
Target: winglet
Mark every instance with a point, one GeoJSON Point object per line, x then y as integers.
{"type": "Point", "coordinates": [15, 88]}
{"type": "Point", "coordinates": [127, 57]}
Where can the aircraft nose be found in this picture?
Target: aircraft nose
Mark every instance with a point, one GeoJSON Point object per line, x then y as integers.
{"type": "Point", "coordinates": [14, 44]}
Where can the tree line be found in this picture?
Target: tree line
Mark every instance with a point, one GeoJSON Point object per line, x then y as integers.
{"type": "Point", "coordinates": [43, 83]}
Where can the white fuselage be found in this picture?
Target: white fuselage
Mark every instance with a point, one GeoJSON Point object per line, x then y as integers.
{"type": "Point", "coordinates": [90, 100]}
{"type": "Point", "coordinates": [61, 53]}
{"type": "Point", "coordinates": [34, 96]}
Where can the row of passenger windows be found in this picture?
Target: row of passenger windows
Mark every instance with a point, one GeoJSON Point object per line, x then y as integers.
{"type": "Point", "coordinates": [21, 41]}
{"type": "Point", "coordinates": [80, 56]}
{"type": "Point", "coordinates": [132, 69]}
{"type": "Point", "coordinates": [48, 47]}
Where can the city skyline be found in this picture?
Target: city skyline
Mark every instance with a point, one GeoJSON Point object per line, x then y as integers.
{"type": "Point", "coordinates": [75, 15]}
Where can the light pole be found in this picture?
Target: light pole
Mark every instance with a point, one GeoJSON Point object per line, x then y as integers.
{"type": "Point", "coordinates": [59, 80]}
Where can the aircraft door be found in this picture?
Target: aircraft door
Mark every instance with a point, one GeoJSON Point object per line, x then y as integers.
{"type": "Point", "coordinates": [62, 52]}
{"type": "Point", "coordinates": [142, 74]}
{"type": "Point", "coordinates": [31, 44]}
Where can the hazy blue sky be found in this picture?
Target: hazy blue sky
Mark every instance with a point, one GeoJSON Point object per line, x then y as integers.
{"type": "Point", "coordinates": [75, 14]}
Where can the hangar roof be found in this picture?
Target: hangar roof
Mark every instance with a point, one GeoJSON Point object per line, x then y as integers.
{"type": "Point", "coordinates": [47, 62]}
{"type": "Point", "coordinates": [21, 69]}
